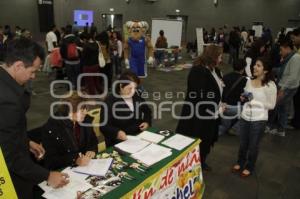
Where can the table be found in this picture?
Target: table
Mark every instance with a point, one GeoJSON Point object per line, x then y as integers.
{"type": "Point", "coordinates": [177, 176]}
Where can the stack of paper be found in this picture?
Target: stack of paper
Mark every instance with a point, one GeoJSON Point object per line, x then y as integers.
{"type": "Point", "coordinates": [77, 183]}
{"type": "Point", "coordinates": [96, 167]}
{"type": "Point", "coordinates": [151, 137]}
{"type": "Point", "coordinates": [178, 142]}
{"type": "Point", "coordinates": [132, 145]}
{"type": "Point", "coordinates": [152, 154]}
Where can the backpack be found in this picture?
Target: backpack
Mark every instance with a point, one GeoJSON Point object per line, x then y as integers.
{"type": "Point", "coordinates": [55, 58]}
{"type": "Point", "coordinates": [72, 52]}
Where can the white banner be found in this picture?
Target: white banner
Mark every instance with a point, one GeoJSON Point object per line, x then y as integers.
{"type": "Point", "coordinates": [200, 41]}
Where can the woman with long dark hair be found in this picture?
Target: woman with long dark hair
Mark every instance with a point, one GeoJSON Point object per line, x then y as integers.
{"type": "Point", "coordinates": [90, 62]}
{"type": "Point", "coordinates": [200, 110]}
{"type": "Point", "coordinates": [103, 39]}
{"type": "Point", "coordinates": [259, 97]}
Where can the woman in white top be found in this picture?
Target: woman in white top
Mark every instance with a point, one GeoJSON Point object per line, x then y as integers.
{"type": "Point", "coordinates": [259, 97]}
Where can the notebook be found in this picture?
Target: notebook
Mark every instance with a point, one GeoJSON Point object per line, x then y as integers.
{"type": "Point", "coordinates": [96, 167]}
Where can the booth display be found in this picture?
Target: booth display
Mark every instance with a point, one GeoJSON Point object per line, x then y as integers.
{"type": "Point", "coordinates": [172, 31]}
{"type": "Point", "coordinates": [178, 175]}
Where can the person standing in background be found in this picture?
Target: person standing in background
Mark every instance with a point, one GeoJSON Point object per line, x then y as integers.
{"type": "Point", "coordinates": [69, 51]}
{"type": "Point", "coordinates": [51, 39]}
{"type": "Point", "coordinates": [117, 51]}
{"type": "Point", "coordinates": [160, 45]}
{"type": "Point", "coordinates": [90, 64]}
{"type": "Point", "coordinates": [257, 50]}
{"type": "Point", "coordinates": [296, 120]}
{"type": "Point", "coordinates": [103, 41]}
{"type": "Point", "coordinates": [234, 86]}
{"type": "Point", "coordinates": [234, 45]}
{"type": "Point", "coordinates": [288, 83]}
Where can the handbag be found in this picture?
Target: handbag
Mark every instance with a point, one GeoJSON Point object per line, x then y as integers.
{"type": "Point", "coordinates": [101, 58]}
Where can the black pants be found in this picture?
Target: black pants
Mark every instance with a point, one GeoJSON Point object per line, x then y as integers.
{"type": "Point", "coordinates": [117, 64]}
{"type": "Point", "coordinates": [108, 72]}
{"type": "Point", "coordinates": [73, 72]}
{"type": "Point", "coordinates": [208, 137]}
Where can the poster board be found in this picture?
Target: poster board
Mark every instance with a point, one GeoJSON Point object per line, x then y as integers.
{"type": "Point", "coordinates": [258, 30]}
{"type": "Point", "coordinates": [171, 28]}
{"type": "Point", "coordinates": [200, 41]}
{"type": "Point", "coordinates": [7, 189]}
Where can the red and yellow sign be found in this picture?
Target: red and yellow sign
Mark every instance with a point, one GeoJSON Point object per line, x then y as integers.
{"type": "Point", "coordinates": [180, 179]}
{"type": "Point", "coordinates": [7, 189]}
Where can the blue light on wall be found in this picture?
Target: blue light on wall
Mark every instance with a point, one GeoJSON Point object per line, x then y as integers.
{"type": "Point", "coordinates": [83, 16]}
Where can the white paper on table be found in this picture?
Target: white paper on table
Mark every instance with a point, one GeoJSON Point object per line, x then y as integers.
{"type": "Point", "coordinates": [69, 191]}
{"type": "Point", "coordinates": [151, 137]}
{"type": "Point", "coordinates": [178, 142]}
{"type": "Point", "coordinates": [152, 154]}
{"type": "Point", "coordinates": [96, 167]}
{"type": "Point", "coordinates": [43, 185]}
{"type": "Point", "coordinates": [132, 145]}
{"type": "Point", "coordinates": [72, 176]}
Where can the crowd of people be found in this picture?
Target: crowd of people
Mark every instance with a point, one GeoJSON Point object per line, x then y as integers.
{"type": "Point", "coordinates": [257, 97]}
{"type": "Point", "coordinates": [80, 49]}
{"type": "Point", "coordinates": [259, 94]}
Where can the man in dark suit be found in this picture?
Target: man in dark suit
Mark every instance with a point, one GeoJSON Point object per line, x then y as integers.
{"type": "Point", "coordinates": [22, 60]}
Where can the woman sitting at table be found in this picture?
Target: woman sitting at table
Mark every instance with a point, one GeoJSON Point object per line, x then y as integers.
{"type": "Point", "coordinates": [126, 113]}
{"type": "Point", "coordinates": [66, 140]}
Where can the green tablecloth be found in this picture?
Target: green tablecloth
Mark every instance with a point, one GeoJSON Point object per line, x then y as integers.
{"type": "Point", "coordinates": [128, 187]}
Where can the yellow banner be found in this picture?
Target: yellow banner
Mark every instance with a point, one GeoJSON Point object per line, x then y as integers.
{"type": "Point", "coordinates": [7, 189]}
{"type": "Point", "coordinates": [182, 177]}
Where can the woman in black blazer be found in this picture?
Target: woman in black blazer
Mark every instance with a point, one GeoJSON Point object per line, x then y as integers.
{"type": "Point", "coordinates": [204, 91]}
{"type": "Point", "coordinates": [67, 141]}
{"type": "Point", "coordinates": [126, 113]}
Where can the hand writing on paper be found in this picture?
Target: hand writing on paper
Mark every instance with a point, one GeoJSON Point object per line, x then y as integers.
{"type": "Point", "coordinates": [57, 179]}
{"type": "Point", "coordinates": [83, 160]}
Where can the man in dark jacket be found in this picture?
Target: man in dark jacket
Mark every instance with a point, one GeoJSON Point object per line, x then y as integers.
{"type": "Point", "coordinates": [23, 59]}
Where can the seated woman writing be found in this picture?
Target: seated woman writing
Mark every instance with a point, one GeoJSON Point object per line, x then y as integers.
{"type": "Point", "coordinates": [126, 113]}
{"type": "Point", "coordinates": [67, 141]}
